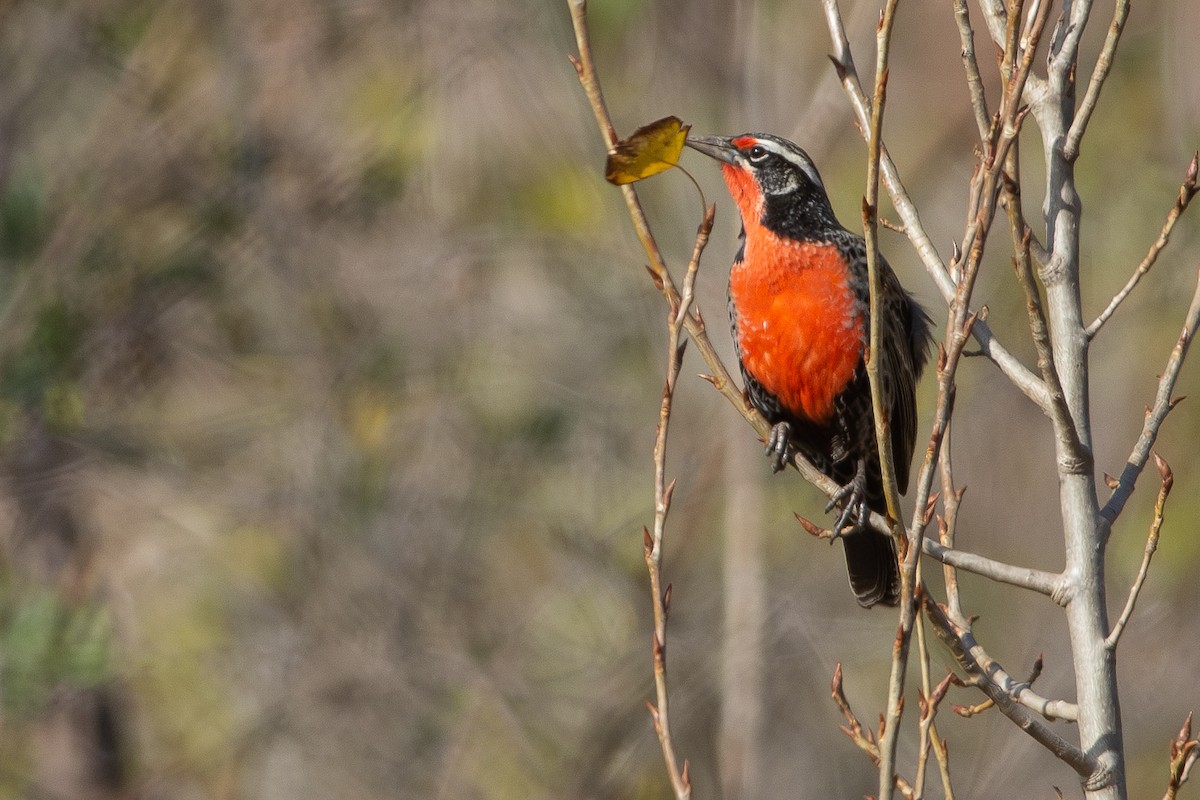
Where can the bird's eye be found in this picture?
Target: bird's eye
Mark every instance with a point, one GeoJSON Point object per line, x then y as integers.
{"type": "Point", "coordinates": [757, 153]}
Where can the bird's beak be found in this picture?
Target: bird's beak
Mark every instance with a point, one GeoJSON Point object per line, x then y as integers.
{"type": "Point", "coordinates": [717, 147]}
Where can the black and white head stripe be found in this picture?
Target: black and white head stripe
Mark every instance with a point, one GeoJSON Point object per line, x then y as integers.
{"type": "Point", "coordinates": [778, 163]}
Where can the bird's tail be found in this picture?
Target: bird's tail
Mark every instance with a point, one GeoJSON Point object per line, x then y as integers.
{"type": "Point", "coordinates": [871, 562]}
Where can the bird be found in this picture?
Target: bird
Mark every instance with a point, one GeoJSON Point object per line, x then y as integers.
{"type": "Point", "coordinates": [799, 307]}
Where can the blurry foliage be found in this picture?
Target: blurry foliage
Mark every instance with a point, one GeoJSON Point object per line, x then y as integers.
{"type": "Point", "coordinates": [23, 224]}
{"type": "Point", "coordinates": [328, 371]}
{"type": "Point", "coordinates": [47, 644]}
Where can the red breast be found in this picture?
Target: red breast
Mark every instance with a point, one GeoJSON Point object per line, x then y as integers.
{"type": "Point", "coordinates": [799, 326]}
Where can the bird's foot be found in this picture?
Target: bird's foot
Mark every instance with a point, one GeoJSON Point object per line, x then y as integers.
{"type": "Point", "coordinates": [779, 445]}
{"type": "Point", "coordinates": [853, 500]}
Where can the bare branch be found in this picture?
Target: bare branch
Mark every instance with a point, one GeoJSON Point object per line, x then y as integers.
{"type": "Point", "coordinates": [1072, 454]}
{"type": "Point", "coordinates": [963, 646]}
{"type": "Point", "coordinates": [863, 738]}
{"type": "Point", "coordinates": [1063, 57]}
{"type": "Point", "coordinates": [929, 699]}
{"type": "Point", "coordinates": [870, 235]}
{"type": "Point", "coordinates": [1036, 580]}
{"type": "Point", "coordinates": [1168, 480]}
{"type": "Point", "coordinates": [1154, 418]}
{"type": "Point", "coordinates": [1186, 192]}
{"type": "Point", "coordinates": [974, 81]}
{"type": "Point", "coordinates": [1021, 692]}
{"type": "Point", "coordinates": [1099, 74]}
{"type": "Point", "coordinates": [660, 598]}
{"type": "Point", "coordinates": [948, 525]}
{"type": "Point", "coordinates": [909, 561]}
{"type": "Point", "coordinates": [679, 317]}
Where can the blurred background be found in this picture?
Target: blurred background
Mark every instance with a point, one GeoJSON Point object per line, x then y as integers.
{"type": "Point", "coordinates": [328, 379]}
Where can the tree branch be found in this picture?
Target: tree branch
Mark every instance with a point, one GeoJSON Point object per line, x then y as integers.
{"type": "Point", "coordinates": [1156, 415]}
{"type": "Point", "coordinates": [863, 738]}
{"type": "Point", "coordinates": [908, 562]}
{"type": "Point", "coordinates": [974, 82]}
{"type": "Point", "coordinates": [929, 698]}
{"type": "Point", "coordinates": [1036, 580]}
{"type": "Point", "coordinates": [1168, 480]}
{"type": "Point", "coordinates": [660, 598]}
{"type": "Point", "coordinates": [1186, 192]}
{"type": "Point", "coordinates": [1099, 74]}
{"type": "Point", "coordinates": [963, 646]}
{"type": "Point", "coordinates": [1022, 692]}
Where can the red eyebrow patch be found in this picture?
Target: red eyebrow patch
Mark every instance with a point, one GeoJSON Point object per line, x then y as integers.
{"type": "Point", "coordinates": [742, 142]}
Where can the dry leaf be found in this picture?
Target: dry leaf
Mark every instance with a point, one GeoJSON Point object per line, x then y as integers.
{"type": "Point", "coordinates": [650, 150]}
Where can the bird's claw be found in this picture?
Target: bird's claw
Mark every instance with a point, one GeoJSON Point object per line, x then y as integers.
{"type": "Point", "coordinates": [853, 499]}
{"type": "Point", "coordinates": [779, 446]}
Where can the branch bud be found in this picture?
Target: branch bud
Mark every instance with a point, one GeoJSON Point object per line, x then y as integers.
{"type": "Point", "coordinates": [1164, 472]}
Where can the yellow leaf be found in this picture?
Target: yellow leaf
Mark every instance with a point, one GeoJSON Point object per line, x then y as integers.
{"type": "Point", "coordinates": [650, 150]}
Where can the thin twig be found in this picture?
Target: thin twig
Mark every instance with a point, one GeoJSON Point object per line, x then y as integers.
{"type": "Point", "coordinates": [870, 235]}
{"type": "Point", "coordinates": [974, 82]}
{"type": "Point", "coordinates": [1186, 192]}
{"type": "Point", "coordinates": [909, 562]}
{"type": "Point", "coordinates": [1168, 480]}
{"type": "Point", "coordinates": [1005, 128]}
{"type": "Point", "coordinates": [1155, 416]}
{"type": "Point", "coordinates": [929, 740]}
{"type": "Point", "coordinates": [679, 317]}
{"type": "Point", "coordinates": [863, 738]}
{"type": "Point", "coordinates": [1099, 74]}
{"type": "Point", "coordinates": [660, 598]}
{"type": "Point", "coordinates": [923, 707]}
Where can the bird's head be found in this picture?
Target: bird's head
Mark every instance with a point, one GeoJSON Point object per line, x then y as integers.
{"type": "Point", "coordinates": [772, 181]}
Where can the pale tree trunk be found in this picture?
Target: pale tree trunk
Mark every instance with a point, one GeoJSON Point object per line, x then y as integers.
{"type": "Point", "coordinates": [744, 594]}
